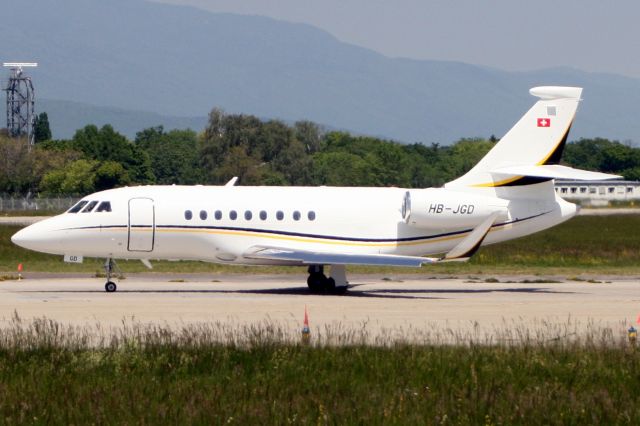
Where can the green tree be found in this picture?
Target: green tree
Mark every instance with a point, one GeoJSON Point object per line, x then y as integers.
{"type": "Point", "coordinates": [463, 155]}
{"type": "Point", "coordinates": [84, 176]}
{"type": "Point", "coordinates": [343, 169]}
{"type": "Point", "coordinates": [77, 178]}
{"type": "Point", "coordinates": [309, 134]}
{"type": "Point", "coordinates": [21, 169]}
{"type": "Point", "coordinates": [604, 155]}
{"type": "Point", "coordinates": [41, 130]}
{"type": "Point", "coordinates": [255, 151]}
{"type": "Point", "coordinates": [173, 155]}
{"type": "Point", "coordinates": [105, 144]}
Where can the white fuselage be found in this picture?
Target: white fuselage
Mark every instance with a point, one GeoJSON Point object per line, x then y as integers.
{"type": "Point", "coordinates": [153, 222]}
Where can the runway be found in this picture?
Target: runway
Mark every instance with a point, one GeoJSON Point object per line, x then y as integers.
{"type": "Point", "coordinates": [382, 306]}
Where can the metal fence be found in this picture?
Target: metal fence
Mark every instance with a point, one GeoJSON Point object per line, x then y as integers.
{"type": "Point", "coordinates": [9, 204]}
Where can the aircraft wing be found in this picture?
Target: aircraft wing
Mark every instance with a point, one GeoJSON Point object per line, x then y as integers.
{"type": "Point", "coordinates": [461, 252]}
{"type": "Point", "coordinates": [305, 257]}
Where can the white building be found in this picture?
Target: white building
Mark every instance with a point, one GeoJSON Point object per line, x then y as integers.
{"type": "Point", "coordinates": [598, 193]}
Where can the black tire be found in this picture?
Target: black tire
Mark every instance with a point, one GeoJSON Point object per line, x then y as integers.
{"type": "Point", "coordinates": [315, 282]}
{"type": "Point", "coordinates": [329, 285]}
{"type": "Point", "coordinates": [110, 287]}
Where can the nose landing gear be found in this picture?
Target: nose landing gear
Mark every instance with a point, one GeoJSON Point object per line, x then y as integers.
{"type": "Point", "coordinates": [109, 266]}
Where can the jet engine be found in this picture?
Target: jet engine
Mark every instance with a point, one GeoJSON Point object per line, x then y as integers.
{"type": "Point", "coordinates": [439, 208]}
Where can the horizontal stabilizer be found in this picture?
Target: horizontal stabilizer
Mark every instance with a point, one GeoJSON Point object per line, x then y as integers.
{"type": "Point", "coordinates": [553, 172]}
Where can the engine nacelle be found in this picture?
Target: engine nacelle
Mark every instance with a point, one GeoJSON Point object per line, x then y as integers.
{"type": "Point", "coordinates": [439, 208]}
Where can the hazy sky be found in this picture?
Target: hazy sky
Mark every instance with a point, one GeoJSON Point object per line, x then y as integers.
{"type": "Point", "coordinates": [593, 35]}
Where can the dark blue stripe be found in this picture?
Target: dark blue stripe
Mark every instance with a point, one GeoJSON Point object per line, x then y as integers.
{"type": "Point", "coordinates": [298, 234]}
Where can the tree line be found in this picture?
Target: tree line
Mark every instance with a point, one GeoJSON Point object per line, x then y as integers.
{"type": "Point", "coordinates": [260, 153]}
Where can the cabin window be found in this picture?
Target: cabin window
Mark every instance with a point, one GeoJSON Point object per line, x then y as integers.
{"type": "Point", "coordinates": [77, 207]}
{"type": "Point", "coordinates": [279, 215]}
{"type": "Point", "coordinates": [248, 215]}
{"type": "Point", "coordinates": [233, 215]}
{"type": "Point", "coordinates": [188, 215]}
{"type": "Point", "coordinates": [311, 215]}
{"type": "Point", "coordinates": [89, 207]}
{"type": "Point", "coordinates": [104, 206]}
{"type": "Point", "coordinates": [296, 215]}
{"type": "Point", "coordinates": [203, 215]}
{"type": "Point", "coordinates": [218, 215]}
{"type": "Point", "coordinates": [263, 215]}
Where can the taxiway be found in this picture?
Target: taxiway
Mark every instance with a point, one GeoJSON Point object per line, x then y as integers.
{"type": "Point", "coordinates": [379, 304]}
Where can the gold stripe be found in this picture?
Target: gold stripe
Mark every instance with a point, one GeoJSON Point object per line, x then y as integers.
{"type": "Point", "coordinates": [544, 160]}
{"type": "Point", "coordinates": [311, 240]}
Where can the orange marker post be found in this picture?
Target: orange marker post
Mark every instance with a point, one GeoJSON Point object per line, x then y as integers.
{"type": "Point", "coordinates": [306, 332]}
{"type": "Point", "coordinates": [19, 271]}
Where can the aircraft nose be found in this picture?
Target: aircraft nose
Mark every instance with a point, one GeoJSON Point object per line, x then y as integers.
{"type": "Point", "coordinates": [33, 237]}
{"type": "Point", "coordinates": [20, 237]}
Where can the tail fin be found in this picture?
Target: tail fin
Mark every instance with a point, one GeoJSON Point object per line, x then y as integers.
{"type": "Point", "coordinates": [537, 139]}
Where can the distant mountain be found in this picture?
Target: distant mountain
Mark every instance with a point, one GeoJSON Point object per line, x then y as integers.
{"type": "Point", "coordinates": [180, 62]}
{"type": "Point", "coordinates": [66, 117]}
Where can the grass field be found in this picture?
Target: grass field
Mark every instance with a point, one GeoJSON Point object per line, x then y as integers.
{"type": "Point", "coordinates": [154, 375]}
{"type": "Point", "coordinates": [204, 374]}
{"type": "Point", "coordinates": [584, 245]}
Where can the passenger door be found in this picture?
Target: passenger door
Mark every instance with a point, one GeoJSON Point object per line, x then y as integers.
{"type": "Point", "coordinates": [142, 225]}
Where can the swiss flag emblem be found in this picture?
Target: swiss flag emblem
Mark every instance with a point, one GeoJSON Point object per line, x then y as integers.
{"type": "Point", "coordinates": [544, 122]}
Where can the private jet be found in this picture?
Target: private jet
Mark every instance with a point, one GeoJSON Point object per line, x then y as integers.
{"type": "Point", "coordinates": [507, 195]}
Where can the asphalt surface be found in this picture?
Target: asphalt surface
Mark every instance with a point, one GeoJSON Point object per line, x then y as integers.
{"type": "Point", "coordinates": [380, 307]}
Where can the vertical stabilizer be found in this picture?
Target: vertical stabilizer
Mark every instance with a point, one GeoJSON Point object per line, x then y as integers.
{"type": "Point", "coordinates": [538, 138]}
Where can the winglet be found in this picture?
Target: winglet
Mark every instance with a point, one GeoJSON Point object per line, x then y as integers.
{"type": "Point", "coordinates": [232, 181]}
{"type": "Point", "coordinates": [472, 242]}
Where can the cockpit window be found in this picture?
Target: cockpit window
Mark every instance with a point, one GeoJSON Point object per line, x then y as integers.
{"type": "Point", "coordinates": [104, 206]}
{"type": "Point", "coordinates": [89, 207]}
{"type": "Point", "coordinates": [77, 207]}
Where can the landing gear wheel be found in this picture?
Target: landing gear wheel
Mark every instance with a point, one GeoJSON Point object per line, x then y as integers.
{"type": "Point", "coordinates": [329, 285]}
{"type": "Point", "coordinates": [316, 282]}
{"type": "Point", "coordinates": [109, 266]}
{"type": "Point", "coordinates": [319, 283]}
{"type": "Point", "coordinates": [110, 287]}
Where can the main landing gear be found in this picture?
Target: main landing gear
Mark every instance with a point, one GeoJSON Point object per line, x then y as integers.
{"type": "Point", "coordinates": [109, 266]}
{"type": "Point", "coordinates": [319, 283]}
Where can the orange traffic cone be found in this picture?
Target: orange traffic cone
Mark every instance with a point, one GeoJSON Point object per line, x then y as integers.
{"type": "Point", "coordinates": [306, 332]}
